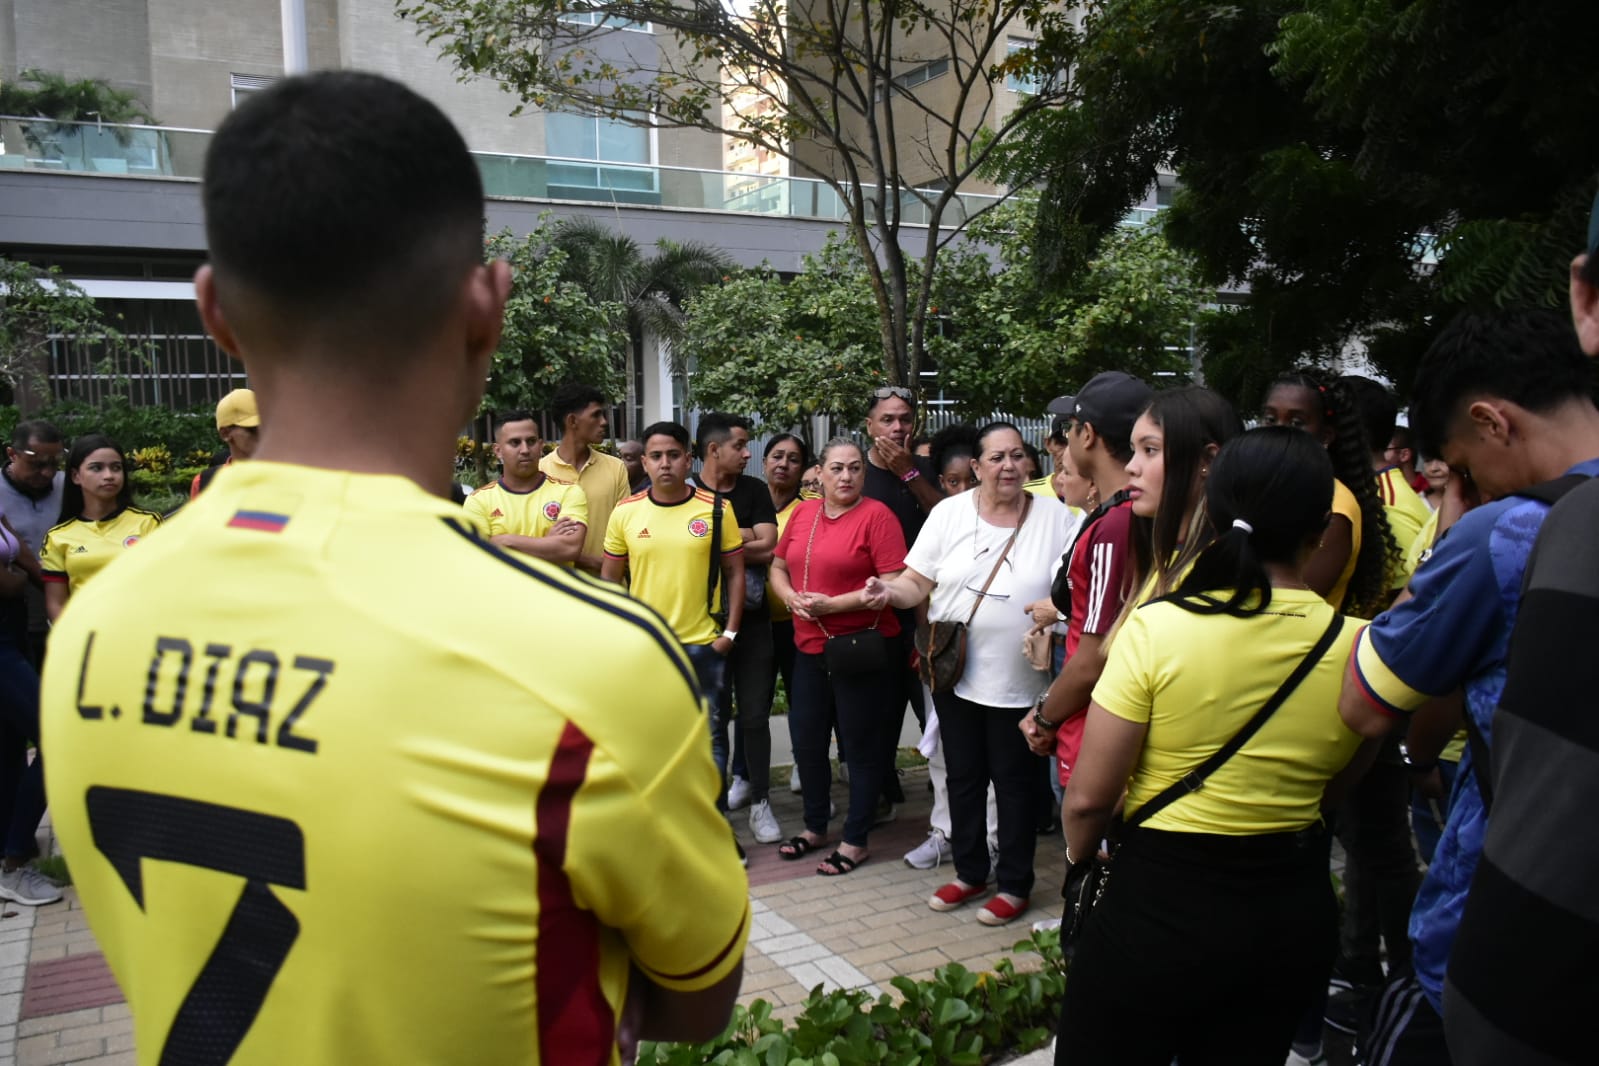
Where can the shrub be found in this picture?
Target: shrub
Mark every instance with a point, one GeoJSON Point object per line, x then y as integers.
{"type": "Point", "coordinates": [957, 1017]}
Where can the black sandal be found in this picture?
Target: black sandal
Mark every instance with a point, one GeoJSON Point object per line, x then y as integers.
{"type": "Point", "coordinates": [797, 847]}
{"type": "Point", "coordinates": [841, 863]}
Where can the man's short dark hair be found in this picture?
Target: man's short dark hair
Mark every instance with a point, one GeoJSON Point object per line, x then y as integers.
{"type": "Point", "coordinates": [715, 427]}
{"type": "Point", "coordinates": [574, 399]}
{"type": "Point", "coordinates": [1376, 406]}
{"type": "Point", "coordinates": [1400, 440]}
{"type": "Point", "coordinates": [518, 415]}
{"type": "Point", "coordinates": [343, 199]}
{"type": "Point", "coordinates": [665, 429]}
{"type": "Point", "coordinates": [1529, 357]}
{"type": "Point", "coordinates": [25, 433]}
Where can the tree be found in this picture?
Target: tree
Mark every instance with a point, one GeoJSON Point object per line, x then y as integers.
{"type": "Point", "coordinates": [1365, 169]}
{"type": "Point", "coordinates": [53, 96]}
{"type": "Point", "coordinates": [783, 352]}
{"type": "Point", "coordinates": [554, 332]}
{"type": "Point", "coordinates": [826, 83]}
{"type": "Point", "coordinates": [1012, 345]}
{"type": "Point", "coordinates": [648, 291]}
{"type": "Point", "coordinates": [39, 307]}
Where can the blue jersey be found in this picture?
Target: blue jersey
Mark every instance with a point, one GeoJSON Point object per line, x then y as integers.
{"type": "Point", "coordinates": [1454, 632]}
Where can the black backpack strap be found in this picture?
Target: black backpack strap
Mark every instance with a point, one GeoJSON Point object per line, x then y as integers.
{"type": "Point", "coordinates": [1059, 590]}
{"type": "Point", "coordinates": [1195, 778]}
{"type": "Point", "coordinates": [714, 578]}
{"type": "Point", "coordinates": [1551, 491]}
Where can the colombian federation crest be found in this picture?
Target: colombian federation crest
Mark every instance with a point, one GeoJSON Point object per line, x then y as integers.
{"type": "Point", "coordinates": [552, 510]}
{"type": "Point", "coordinates": [699, 527]}
{"type": "Point", "coordinates": [130, 541]}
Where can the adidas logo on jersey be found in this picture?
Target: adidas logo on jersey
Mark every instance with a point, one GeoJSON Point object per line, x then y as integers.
{"type": "Point", "coordinates": [79, 550]}
{"type": "Point", "coordinates": [497, 513]}
{"type": "Point", "coordinates": [643, 532]}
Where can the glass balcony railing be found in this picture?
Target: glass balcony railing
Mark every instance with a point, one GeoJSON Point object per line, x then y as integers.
{"type": "Point", "coordinates": [170, 152]}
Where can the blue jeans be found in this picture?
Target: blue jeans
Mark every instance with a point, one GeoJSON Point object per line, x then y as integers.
{"type": "Point", "coordinates": [866, 705]}
{"type": "Point", "coordinates": [21, 783]}
{"type": "Point", "coordinates": [710, 667]}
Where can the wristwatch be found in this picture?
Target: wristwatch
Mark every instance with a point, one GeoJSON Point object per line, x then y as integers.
{"type": "Point", "coordinates": [1415, 766]}
{"type": "Point", "coordinates": [731, 634]}
{"type": "Point", "coordinates": [1038, 715]}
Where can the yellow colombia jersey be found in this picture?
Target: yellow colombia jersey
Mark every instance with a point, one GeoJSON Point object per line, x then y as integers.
{"type": "Point", "coordinates": [776, 608]}
{"type": "Point", "coordinates": [1407, 512]}
{"type": "Point", "coordinates": [668, 553]}
{"type": "Point", "coordinates": [499, 510]}
{"type": "Point", "coordinates": [75, 551]}
{"type": "Point", "coordinates": [319, 812]}
{"type": "Point", "coordinates": [1163, 670]}
{"type": "Point", "coordinates": [1344, 503]}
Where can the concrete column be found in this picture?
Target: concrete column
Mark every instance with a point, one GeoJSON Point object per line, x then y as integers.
{"type": "Point", "coordinates": [296, 52]}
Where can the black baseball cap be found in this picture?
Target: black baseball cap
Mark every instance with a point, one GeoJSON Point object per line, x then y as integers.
{"type": "Point", "coordinates": [1111, 402]}
{"type": "Point", "coordinates": [1060, 413]}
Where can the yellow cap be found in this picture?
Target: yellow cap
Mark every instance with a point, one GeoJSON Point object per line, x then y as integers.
{"type": "Point", "coordinates": [237, 408]}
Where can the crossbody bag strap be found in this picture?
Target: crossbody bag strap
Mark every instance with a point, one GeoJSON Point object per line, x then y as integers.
{"type": "Point", "coordinates": [1195, 778]}
{"type": "Point", "coordinates": [1027, 505]}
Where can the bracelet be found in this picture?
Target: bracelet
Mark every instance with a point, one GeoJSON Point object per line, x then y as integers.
{"type": "Point", "coordinates": [910, 475]}
{"type": "Point", "coordinates": [730, 634]}
{"type": "Point", "coordinates": [1416, 766]}
{"type": "Point", "coordinates": [1070, 862]}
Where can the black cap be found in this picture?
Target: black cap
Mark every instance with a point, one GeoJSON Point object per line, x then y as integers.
{"type": "Point", "coordinates": [1060, 412]}
{"type": "Point", "coordinates": [1111, 402]}
{"type": "Point", "coordinates": [1593, 229]}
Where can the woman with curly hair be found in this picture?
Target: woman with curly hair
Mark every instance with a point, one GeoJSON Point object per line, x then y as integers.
{"type": "Point", "coordinates": [1352, 567]}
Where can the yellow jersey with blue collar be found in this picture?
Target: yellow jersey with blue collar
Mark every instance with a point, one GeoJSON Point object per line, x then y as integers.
{"type": "Point", "coordinates": [499, 509]}
{"type": "Point", "coordinates": [77, 550]}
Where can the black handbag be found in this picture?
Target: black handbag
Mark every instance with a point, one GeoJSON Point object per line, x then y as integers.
{"type": "Point", "coordinates": [846, 654]}
{"type": "Point", "coordinates": [1086, 879]}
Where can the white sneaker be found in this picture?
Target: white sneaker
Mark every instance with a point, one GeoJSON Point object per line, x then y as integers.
{"type": "Point", "coordinates": [793, 781]}
{"type": "Point", "coordinates": [738, 794]}
{"type": "Point", "coordinates": [930, 853]}
{"type": "Point", "coordinates": [28, 886]}
{"type": "Point", "coordinates": [763, 823]}
{"type": "Point", "coordinates": [1046, 925]}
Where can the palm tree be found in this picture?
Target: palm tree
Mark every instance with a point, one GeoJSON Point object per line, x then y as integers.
{"type": "Point", "coordinates": [610, 266]}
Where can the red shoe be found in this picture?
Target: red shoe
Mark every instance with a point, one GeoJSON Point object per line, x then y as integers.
{"type": "Point", "coordinates": [954, 895]}
{"type": "Point", "coordinates": [1000, 911]}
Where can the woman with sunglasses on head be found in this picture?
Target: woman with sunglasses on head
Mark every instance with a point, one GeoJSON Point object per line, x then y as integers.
{"type": "Point", "coordinates": [981, 557]}
{"type": "Point", "coordinates": [1217, 918]}
{"type": "Point", "coordinates": [98, 520]}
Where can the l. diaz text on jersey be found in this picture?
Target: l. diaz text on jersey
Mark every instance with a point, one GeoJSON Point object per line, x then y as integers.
{"type": "Point", "coordinates": [220, 689]}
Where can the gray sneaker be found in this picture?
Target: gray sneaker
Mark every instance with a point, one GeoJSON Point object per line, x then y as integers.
{"type": "Point", "coordinates": [28, 886]}
{"type": "Point", "coordinates": [930, 853]}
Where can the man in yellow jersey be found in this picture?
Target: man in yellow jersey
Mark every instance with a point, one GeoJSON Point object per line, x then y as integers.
{"type": "Point", "coordinates": [525, 509]}
{"type": "Point", "coordinates": [663, 541]}
{"type": "Point", "coordinates": [580, 412]}
{"type": "Point", "coordinates": [366, 807]}
{"type": "Point", "coordinates": [239, 426]}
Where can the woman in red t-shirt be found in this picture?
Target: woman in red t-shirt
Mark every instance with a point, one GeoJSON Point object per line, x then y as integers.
{"type": "Point", "coordinates": [827, 551]}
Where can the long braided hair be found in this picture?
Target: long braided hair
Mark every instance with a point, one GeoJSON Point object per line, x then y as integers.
{"type": "Point", "coordinates": [1369, 587]}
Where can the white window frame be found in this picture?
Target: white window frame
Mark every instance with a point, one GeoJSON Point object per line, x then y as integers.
{"type": "Point", "coordinates": [246, 84]}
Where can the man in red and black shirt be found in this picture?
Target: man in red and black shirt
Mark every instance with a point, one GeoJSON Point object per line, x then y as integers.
{"type": "Point", "coordinates": [1095, 581]}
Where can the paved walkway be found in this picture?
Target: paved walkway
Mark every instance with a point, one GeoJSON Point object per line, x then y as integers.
{"type": "Point", "coordinates": [59, 1005]}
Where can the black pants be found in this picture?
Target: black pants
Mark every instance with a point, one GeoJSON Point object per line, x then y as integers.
{"type": "Point", "coordinates": [1204, 948]}
{"type": "Point", "coordinates": [982, 744]}
{"type": "Point", "coordinates": [862, 702]}
{"type": "Point", "coordinates": [1380, 874]}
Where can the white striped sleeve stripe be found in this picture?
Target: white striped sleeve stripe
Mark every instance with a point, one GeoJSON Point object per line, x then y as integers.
{"type": "Point", "coordinates": [1099, 569]}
